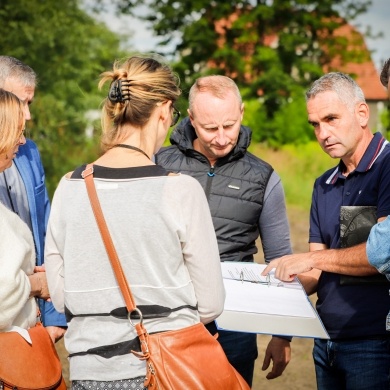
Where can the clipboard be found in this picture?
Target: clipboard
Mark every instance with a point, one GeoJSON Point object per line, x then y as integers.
{"type": "Point", "coordinates": [255, 304]}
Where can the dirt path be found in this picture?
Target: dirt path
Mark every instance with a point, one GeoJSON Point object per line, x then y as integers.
{"type": "Point", "coordinates": [299, 374]}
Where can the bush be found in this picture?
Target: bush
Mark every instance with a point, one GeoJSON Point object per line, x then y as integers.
{"type": "Point", "coordinates": [288, 126]}
{"type": "Point", "coordinates": [298, 166]}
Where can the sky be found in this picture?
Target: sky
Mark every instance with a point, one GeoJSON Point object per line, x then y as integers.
{"type": "Point", "coordinates": [377, 18]}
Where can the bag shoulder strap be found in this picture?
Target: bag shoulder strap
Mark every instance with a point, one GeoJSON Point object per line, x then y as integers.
{"type": "Point", "coordinates": [87, 175]}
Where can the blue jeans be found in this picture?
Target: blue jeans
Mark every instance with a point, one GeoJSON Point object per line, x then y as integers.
{"type": "Point", "coordinates": [352, 365]}
{"type": "Point", "coordinates": [240, 349]}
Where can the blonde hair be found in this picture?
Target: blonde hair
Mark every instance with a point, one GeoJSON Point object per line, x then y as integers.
{"type": "Point", "coordinates": [148, 81]}
{"type": "Point", "coordinates": [11, 120]}
{"type": "Point", "coordinates": [217, 85]}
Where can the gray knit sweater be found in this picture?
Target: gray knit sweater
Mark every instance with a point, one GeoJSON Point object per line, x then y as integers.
{"type": "Point", "coordinates": [164, 236]}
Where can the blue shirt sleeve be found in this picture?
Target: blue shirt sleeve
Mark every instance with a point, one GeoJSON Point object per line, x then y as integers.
{"type": "Point", "coordinates": [50, 316]}
{"type": "Point", "coordinates": [30, 166]}
{"type": "Point", "coordinates": [378, 247]}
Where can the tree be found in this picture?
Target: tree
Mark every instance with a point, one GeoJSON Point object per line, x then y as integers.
{"type": "Point", "coordinates": [68, 49]}
{"type": "Point", "coordinates": [271, 48]}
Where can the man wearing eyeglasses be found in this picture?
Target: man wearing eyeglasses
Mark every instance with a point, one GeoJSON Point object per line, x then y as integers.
{"type": "Point", "coordinates": [245, 196]}
{"type": "Point", "coordinates": [23, 190]}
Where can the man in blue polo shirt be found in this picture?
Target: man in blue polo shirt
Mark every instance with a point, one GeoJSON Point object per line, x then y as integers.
{"type": "Point", "coordinates": [357, 356]}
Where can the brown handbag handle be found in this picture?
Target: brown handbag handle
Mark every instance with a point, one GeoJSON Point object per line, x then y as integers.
{"type": "Point", "coordinates": [87, 175]}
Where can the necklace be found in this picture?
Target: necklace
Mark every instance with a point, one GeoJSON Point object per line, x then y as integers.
{"type": "Point", "coordinates": [132, 148]}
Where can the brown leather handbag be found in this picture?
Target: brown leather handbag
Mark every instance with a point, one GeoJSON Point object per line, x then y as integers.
{"type": "Point", "coordinates": [188, 358]}
{"type": "Point", "coordinates": [25, 366]}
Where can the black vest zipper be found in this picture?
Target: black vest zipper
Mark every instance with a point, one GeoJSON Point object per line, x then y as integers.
{"type": "Point", "coordinates": [210, 175]}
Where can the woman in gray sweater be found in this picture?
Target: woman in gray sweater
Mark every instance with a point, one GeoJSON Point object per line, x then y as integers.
{"type": "Point", "coordinates": [161, 228]}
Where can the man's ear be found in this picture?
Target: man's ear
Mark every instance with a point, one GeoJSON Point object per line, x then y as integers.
{"type": "Point", "coordinates": [242, 111]}
{"type": "Point", "coordinates": [190, 116]}
{"type": "Point", "coordinates": [363, 114]}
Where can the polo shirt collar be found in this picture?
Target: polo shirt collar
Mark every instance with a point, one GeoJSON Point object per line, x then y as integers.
{"type": "Point", "coordinates": [374, 150]}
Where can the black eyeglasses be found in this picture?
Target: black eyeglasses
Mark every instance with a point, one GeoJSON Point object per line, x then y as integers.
{"type": "Point", "coordinates": [175, 116]}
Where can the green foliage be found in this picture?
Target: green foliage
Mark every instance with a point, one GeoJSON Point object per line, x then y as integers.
{"type": "Point", "coordinates": [272, 49]}
{"type": "Point", "coordinates": [298, 166]}
{"type": "Point", "coordinates": [255, 117]}
{"type": "Point", "coordinates": [68, 50]}
{"type": "Point", "coordinates": [289, 125]}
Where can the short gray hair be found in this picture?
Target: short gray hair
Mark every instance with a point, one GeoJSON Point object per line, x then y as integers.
{"type": "Point", "coordinates": [345, 87]}
{"type": "Point", "coordinates": [11, 67]}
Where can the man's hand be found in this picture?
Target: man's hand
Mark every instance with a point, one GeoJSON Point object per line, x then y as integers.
{"type": "Point", "coordinates": [38, 283]}
{"type": "Point", "coordinates": [279, 351]}
{"type": "Point", "coordinates": [55, 332]}
{"type": "Point", "coordinates": [287, 267]}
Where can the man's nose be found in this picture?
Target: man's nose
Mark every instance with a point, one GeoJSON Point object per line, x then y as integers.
{"type": "Point", "coordinates": [322, 132]}
{"type": "Point", "coordinates": [22, 140]}
{"type": "Point", "coordinates": [221, 138]}
{"type": "Point", "coordinates": [27, 113]}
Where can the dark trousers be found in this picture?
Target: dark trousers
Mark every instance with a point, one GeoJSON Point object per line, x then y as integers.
{"type": "Point", "coordinates": [352, 365]}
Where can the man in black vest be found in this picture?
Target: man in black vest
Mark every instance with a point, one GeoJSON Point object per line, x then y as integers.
{"type": "Point", "coordinates": [245, 196]}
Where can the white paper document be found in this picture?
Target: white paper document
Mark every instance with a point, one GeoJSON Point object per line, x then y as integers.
{"type": "Point", "coordinates": [260, 304]}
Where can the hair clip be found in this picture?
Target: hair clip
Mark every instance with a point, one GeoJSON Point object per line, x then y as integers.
{"type": "Point", "coordinates": [119, 91]}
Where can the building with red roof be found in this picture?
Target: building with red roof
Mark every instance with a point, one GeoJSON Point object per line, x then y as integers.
{"type": "Point", "coordinates": [364, 72]}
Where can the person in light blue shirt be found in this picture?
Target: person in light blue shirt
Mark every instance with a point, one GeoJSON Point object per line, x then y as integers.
{"type": "Point", "coordinates": [378, 248]}
{"type": "Point", "coordinates": [22, 186]}
{"type": "Point", "coordinates": [378, 243]}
